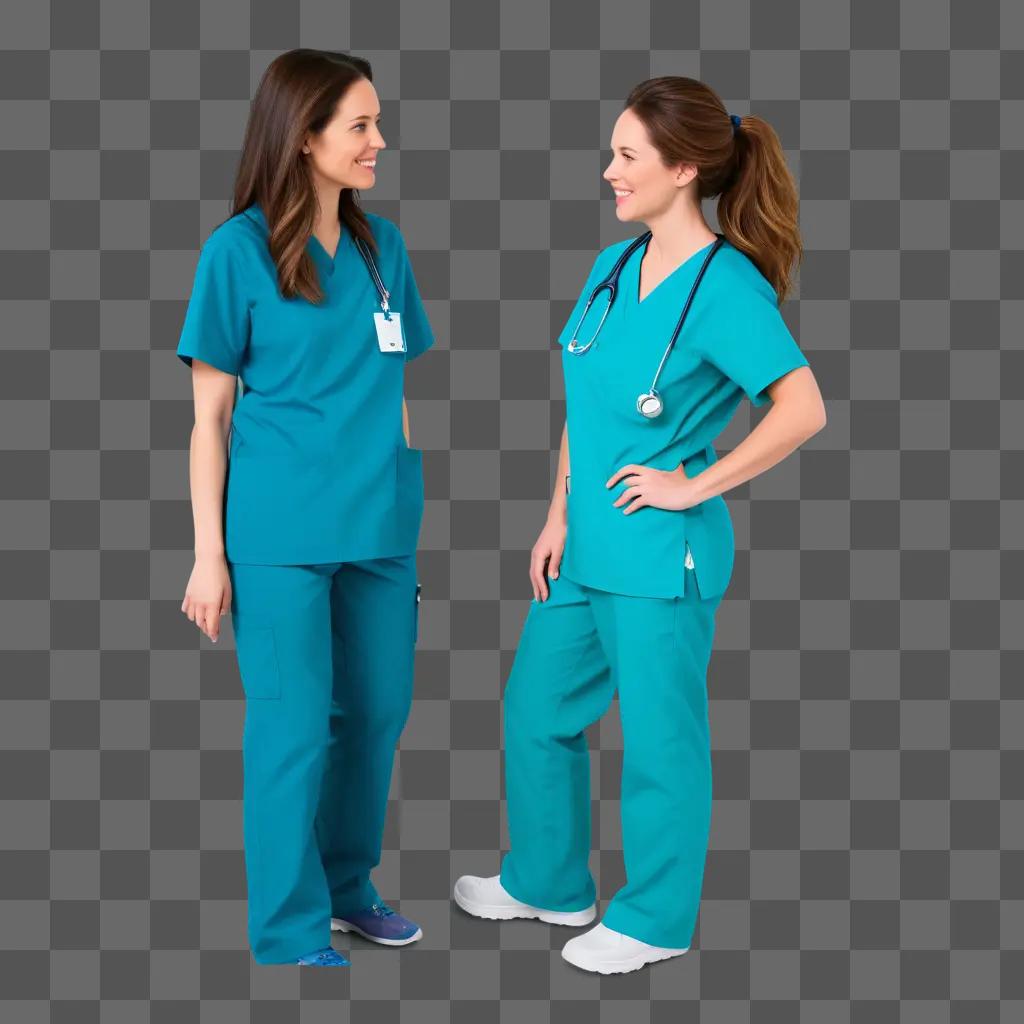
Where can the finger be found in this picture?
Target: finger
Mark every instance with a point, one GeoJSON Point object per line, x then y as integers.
{"type": "Point", "coordinates": [633, 479]}
{"type": "Point", "coordinates": [538, 571]}
{"type": "Point", "coordinates": [620, 473]}
{"type": "Point", "coordinates": [640, 502]}
{"type": "Point", "coordinates": [630, 492]}
{"type": "Point", "coordinates": [535, 578]}
{"type": "Point", "coordinates": [553, 565]}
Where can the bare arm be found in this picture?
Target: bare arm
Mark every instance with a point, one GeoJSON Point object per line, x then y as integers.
{"type": "Point", "coordinates": [208, 595]}
{"type": "Point", "coordinates": [546, 556]}
{"type": "Point", "coordinates": [797, 412]}
{"type": "Point", "coordinates": [214, 396]}
{"type": "Point", "coordinates": [556, 511]}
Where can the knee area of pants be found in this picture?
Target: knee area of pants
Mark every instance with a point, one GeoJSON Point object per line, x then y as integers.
{"type": "Point", "coordinates": [538, 728]}
{"type": "Point", "coordinates": [381, 719]}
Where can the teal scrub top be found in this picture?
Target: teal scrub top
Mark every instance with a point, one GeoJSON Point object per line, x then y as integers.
{"type": "Point", "coordinates": [734, 342]}
{"type": "Point", "coordinates": [318, 468]}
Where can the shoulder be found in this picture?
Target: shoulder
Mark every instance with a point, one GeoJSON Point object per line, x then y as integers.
{"type": "Point", "coordinates": [605, 259]}
{"type": "Point", "coordinates": [736, 275]}
{"type": "Point", "coordinates": [614, 250]}
{"type": "Point", "coordinates": [235, 239]}
{"type": "Point", "coordinates": [610, 253]}
{"type": "Point", "coordinates": [385, 231]}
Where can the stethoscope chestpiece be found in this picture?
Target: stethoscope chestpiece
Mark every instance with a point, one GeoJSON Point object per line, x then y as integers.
{"type": "Point", "coordinates": [649, 404]}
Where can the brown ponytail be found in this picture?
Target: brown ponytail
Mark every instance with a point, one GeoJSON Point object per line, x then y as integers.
{"type": "Point", "coordinates": [759, 205]}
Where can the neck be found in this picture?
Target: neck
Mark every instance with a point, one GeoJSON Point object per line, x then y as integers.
{"type": "Point", "coordinates": [327, 223]}
{"type": "Point", "coordinates": [677, 233]}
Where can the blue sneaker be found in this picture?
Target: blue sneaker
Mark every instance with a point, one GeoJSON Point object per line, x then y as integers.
{"type": "Point", "coordinates": [326, 957]}
{"type": "Point", "coordinates": [379, 923]}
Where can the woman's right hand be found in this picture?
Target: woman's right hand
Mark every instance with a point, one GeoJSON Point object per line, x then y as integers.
{"type": "Point", "coordinates": [547, 552]}
{"type": "Point", "coordinates": [208, 594]}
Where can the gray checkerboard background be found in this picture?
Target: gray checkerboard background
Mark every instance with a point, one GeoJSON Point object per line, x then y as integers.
{"type": "Point", "coordinates": [866, 856]}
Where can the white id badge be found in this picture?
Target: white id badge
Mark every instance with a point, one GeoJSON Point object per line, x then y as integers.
{"type": "Point", "coordinates": [389, 332]}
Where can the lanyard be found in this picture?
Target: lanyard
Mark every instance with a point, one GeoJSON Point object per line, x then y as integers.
{"type": "Point", "coordinates": [371, 266]}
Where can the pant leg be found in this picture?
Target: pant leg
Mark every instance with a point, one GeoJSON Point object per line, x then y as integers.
{"type": "Point", "coordinates": [559, 684]}
{"type": "Point", "coordinates": [281, 619]}
{"type": "Point", "coordinates": [660, 649]}
{"type": "Point", "coordinates": [374, 616]}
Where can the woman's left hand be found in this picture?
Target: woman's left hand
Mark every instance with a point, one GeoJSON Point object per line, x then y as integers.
{"type": "Point", "coordinates": [659, 488]}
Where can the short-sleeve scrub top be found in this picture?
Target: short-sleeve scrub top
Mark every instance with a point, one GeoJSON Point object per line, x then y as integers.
{"type": "Point", "coordinates": [734, 342]}
{"type": "Point", "coordinates": [318, 468]}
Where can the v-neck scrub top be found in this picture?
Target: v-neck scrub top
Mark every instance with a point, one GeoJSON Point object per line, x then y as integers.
{"type": "Point", "coordinates": [318, 467]}
{"type": "Point", "coordinates": [734, 342]}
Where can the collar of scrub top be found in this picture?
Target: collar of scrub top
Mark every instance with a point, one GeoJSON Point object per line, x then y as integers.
{"type": "Point", "coordinates": [611, 283]}
{"type": "Point", "coordinates": [649, 404]}
{"type": "Point", "coordinates": [364, 251]}
{"type": "Point", "coordinates": [371, 266]}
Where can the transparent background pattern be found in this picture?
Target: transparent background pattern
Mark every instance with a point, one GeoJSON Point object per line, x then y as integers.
{"type": "Point", "coordinates": [866, 857]}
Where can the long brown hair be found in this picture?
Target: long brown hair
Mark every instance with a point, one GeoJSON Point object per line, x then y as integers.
{"type": "Point", "coordinates": [759, 205]}
{"type": "Point", "coordinates": [297, 94]}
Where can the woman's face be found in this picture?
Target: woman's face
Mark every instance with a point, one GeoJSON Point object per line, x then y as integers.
{"type": "Point", "coordinates": [346, 150]}
{"type": "Point", "coordinates": [644, 186]}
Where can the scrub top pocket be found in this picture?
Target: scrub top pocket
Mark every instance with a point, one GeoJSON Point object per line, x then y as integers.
{"type": "Point", "coordinates": [408, 512]}
{"type": "Point", "coordinates": [257, 661]}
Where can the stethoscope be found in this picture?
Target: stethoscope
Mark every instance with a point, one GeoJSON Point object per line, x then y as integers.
{"type": "Point", "coordinates": [371, 266]}
{"type": "Point", "coordinates": [650, 403]}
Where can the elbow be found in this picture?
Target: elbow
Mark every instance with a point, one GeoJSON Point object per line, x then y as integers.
{"type": "Point", "coordinates": [815, 425]}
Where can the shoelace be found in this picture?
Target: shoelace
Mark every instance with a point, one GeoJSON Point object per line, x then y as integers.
{"type": "Point", "coordinates": [381, 910]}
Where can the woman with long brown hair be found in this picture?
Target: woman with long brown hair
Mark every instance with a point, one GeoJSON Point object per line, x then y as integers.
{"type": "Point", "coordinates": [307, 520]}
{"type": "Point", "coordinates": [637, 549]}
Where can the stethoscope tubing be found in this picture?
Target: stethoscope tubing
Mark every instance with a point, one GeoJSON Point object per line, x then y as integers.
{"type": "Point", "coordinates": [371, 266]}
{"type": "Point", "coordinates": [648, 404]}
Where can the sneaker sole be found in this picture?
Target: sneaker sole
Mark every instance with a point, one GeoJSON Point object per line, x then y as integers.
{"type": "Point", "coordinates": [572, 918]}
{"type": "Point", "coordinates": [337, 925]}
{"type": "Point", "coordinates": [625, 966]}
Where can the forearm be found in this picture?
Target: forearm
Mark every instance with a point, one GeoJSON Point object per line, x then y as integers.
{"type": "Point", "coordinates": [557, 510]}
{"type": "Point", "coordinates": [777, 435]}
{"type": "Point", "coordinates": [208, 462]}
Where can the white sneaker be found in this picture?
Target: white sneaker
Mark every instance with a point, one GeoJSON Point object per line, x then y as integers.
{"type": "Point", "coordinates": [487, 897]}
{"type": "Point", "coordinates": [610, 952]}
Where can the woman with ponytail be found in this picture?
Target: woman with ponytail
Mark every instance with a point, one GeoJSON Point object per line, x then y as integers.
{"type": "Point", "coordinates": [638, 546]}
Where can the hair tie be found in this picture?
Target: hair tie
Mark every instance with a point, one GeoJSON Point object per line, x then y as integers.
{"type": "Point", "coordinates": [735, 123]}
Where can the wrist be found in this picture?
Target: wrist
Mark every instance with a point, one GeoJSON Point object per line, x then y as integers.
{"type": "Point", "coordinates": [697, 487]}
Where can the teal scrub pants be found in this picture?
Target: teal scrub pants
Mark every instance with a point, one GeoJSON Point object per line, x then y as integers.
{"type": "Point", "coordinates": [325, 653]}
{"type": "Point", "coordinates": [576, 649]}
